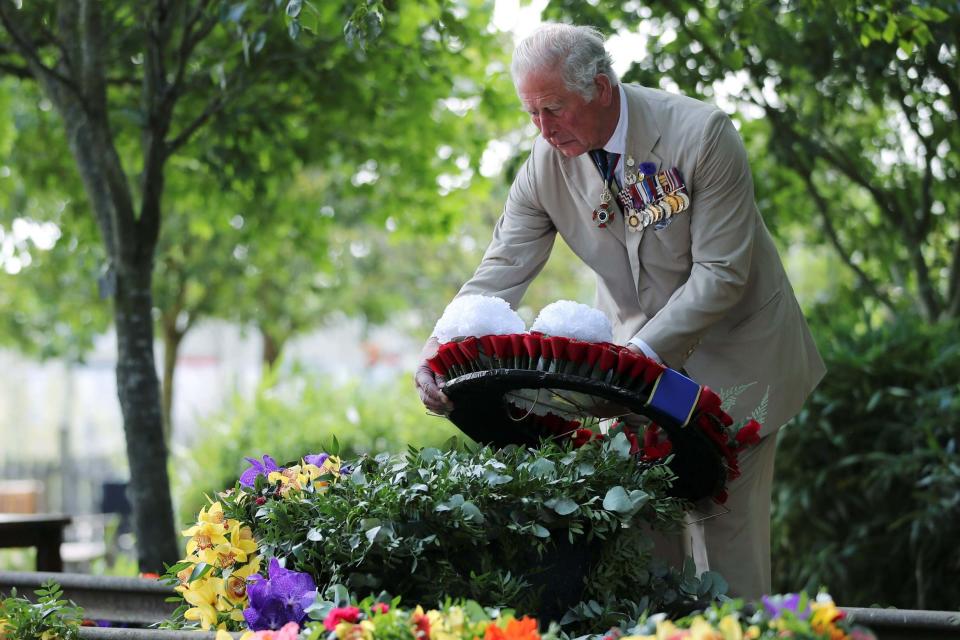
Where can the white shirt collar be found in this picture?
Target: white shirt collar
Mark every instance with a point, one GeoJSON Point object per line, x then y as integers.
{"type": "Point", "coordinates": [618, 141]}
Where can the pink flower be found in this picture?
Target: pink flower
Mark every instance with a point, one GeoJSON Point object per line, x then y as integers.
{"type": "Point", "coordinates": [341, 614]}
{"type": "Point", "coordinates": [289, 631]}
{"type": "Point", "coordinates": [380, 607]}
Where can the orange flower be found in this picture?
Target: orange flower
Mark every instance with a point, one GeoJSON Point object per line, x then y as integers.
{"type": "Point", "coordinates": [522, 629]}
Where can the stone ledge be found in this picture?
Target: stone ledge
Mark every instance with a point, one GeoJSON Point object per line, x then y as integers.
{"type": "Point", "coordinates": [122, 600]}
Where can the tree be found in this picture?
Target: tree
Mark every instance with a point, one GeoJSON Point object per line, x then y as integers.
{"type": "Point", "coordinates": [860, 103]}
{"type": "Point", "coordinates": [137, 84]}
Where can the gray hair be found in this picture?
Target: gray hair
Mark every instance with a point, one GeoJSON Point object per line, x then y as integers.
{"type": "Point", "coordinates": [576, 52]}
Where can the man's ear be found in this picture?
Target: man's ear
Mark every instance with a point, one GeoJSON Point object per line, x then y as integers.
{"type": "Point", "coordinates": [604, 89]}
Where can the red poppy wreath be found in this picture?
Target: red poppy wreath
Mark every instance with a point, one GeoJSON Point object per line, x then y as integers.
{"type": "Point", "coordinates": [565, 379]}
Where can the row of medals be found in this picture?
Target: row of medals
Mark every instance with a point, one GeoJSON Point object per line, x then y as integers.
{"type": "Point", "coordinates": [669, 199]}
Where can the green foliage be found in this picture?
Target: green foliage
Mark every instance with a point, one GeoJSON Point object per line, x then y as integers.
{"type": "Point", "coordinates": [521, 528]}
{"type": "Point", "coordinates": [49, 617]}
{"type": "Point", "coordinates": [871, 469]}
{"type": "Point", "coordinates": [293, 414]}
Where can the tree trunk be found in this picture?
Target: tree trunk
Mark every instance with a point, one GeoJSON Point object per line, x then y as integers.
{"type": "Point", "coordinates": [139, 392]}
{"type": "Point", "coordinates": [271, 348]}
{"type": "Point", "coordinates": [171, 348]}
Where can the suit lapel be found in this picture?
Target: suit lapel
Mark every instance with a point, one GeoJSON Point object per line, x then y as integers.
{"type": "Point", "coordinates": [642, 137]}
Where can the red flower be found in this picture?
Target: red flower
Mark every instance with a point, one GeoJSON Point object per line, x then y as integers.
{"type": "Point", "coordinates": [341, 614]}
{"type": "Point", "coordinates": [380, 607]}
{"type": "Point", "coordinates": [655, 447]}
{"type": "Point", "coordinates": [470, 348]}
{"type": "Point", "coordinates": [576, 350]}
{"type": "Point", "coordinates": [560, 344]}
{"type": "Point", "coordinates": [502, 347]}
{"type": "Point", "coordinates": [709, 401]}
{"type": "Point", "coordinates": [608, 359]}
{"type": "Point", "coordinates": [532, 344]}
{"type": "Point", "coordinates": [582, 437]}
{"type": "Point", "coordinates": [436, 365]}
{"type": "Point", "coordinates": [421, 626]}
{"type": "Point", "coordinates": [634, 441]}
{"type": "Point", "coordinates": [749, 434]}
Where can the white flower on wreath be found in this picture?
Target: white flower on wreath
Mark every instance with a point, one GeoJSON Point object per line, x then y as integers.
{"type": "Point", "coordinates": [574, 320]}
{"type": "Point", "coordinates": [476, 315]}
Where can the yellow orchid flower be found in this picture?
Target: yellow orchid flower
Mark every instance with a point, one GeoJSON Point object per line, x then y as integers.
{"type": "Point", "coordinates": [362, 630]}
{"type": "Point", "coordinates": [235, 587]}
{"type": "Point", "coordinates": [700, 629]}
{"type": "Point", "coordinates": [730, 628]}
{"type": "Point", "coordinates": [824, 615]}
{"type": "Point", "coordinates": [209, 530]}
{"type": "Point", "coordinates": [203, 594]}
{"type": "Point", "coordinates": [234, 550]}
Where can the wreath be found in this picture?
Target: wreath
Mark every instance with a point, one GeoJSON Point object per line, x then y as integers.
{"type": "Point", "coordinates": [523, 387]}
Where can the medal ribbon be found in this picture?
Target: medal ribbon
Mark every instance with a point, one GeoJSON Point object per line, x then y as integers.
{"type": "Point", "coordinates": [606, 168]}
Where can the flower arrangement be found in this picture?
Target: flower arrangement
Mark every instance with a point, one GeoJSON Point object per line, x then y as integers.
{"type": "Point", "coordinates": [790, 616]}
{"type": "Point", "coordinates": [380, 619]}
{"type": "Point", "coordinates": [534, 529]}
{"type": "Point", "coordinates": [793, 615]}
{"type": "Point", "coordinates": [218, 577]}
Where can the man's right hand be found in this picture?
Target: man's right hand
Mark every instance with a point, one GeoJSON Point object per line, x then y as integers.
{"type": "Point", "coordinates": [428, 383]}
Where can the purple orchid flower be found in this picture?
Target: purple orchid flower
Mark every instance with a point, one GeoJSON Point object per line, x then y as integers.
{"type": "Point", "coordinates": [316, 459]}
{"type": "Point", "coordinates": [249, 477]}
{"type": "Point", "coordinates": [776, 605]}
{"type": "Point", "coordinates": [280, 599]}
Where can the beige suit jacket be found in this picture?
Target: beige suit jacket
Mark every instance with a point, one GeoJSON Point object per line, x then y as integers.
{"type": "Point", "coordinates": [708, 293]}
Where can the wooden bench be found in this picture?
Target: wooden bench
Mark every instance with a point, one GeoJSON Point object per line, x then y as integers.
{"type": "Point", "coordinates": [43, 531]}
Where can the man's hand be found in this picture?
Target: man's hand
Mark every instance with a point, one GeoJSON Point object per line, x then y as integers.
{"type": "Point", "coordinates": [428, 383]}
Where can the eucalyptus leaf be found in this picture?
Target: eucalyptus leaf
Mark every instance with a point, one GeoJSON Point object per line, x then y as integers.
{"type": "Point", "coordinates": [563, 506]}
{"type": "Point", "coordinates": [617, 499]}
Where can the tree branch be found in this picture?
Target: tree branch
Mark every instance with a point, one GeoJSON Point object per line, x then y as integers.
{"type": "Point", "coordinates": [831, 231]}
{"type": "Point", "coordinates": [158, 106]}
{"type": "Point", "coordinates": [14, 70]}
{"type": "Point", "coordinates": [47, 76]}
{"type": "Point", "coordinates": [188, 42]}
{"type": "Point", "coordinates": [929, 149]}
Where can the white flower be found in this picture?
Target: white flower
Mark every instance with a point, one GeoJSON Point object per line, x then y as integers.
{"type": "Point", "coordinates": [476, 315]}
{"type": "Point", "coordinates": [574, 320]}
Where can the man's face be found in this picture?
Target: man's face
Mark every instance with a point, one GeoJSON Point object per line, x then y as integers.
{"type": "Point", "coordinates": [565, 120]}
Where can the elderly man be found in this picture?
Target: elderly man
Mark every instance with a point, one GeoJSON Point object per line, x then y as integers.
{"type": "Point", "coordinates": [653, 191]}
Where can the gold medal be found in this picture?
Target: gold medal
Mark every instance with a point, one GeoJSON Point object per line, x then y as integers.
{"type": "Point", "coordinates": [633, 222]}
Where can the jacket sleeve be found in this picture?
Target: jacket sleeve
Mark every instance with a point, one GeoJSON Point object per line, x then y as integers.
{"type": "Point", "coordinates": [722, 228]}
{"type": "Point", "coordinates": [522, 241]}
